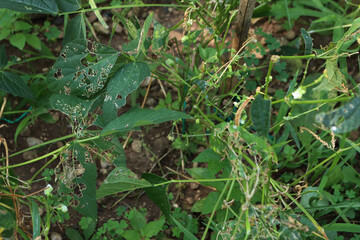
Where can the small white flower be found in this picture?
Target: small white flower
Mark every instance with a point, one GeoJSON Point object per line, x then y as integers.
{"type": "Point", "coordinates": [333, 128]}
{"type": "Point", "coordinates": [48, 190]}
{"type": "Point", "coordinates": [299, 92]}
{"type": "Point", "coordinates": [63, 208]}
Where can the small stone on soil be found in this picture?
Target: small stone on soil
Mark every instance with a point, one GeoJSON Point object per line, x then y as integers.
{"type": "Point", "coordinates": [100, 29]}
{"type": "Point", "coordinates": [55, 236]}
{"type": "Point", "coordinates": [194, 185]}
{"type": "Point", "coordinates": [290, 35]}
{"type": "Point", "coordinates": [136, 146]}
{"type": "Point", "coordinates": [31, 141]}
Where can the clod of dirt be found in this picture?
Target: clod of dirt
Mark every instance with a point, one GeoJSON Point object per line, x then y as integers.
{"type": "Point", "coordinates": [32, 141]}
{"type": "Point", "coordinates": [118, 28]}
{"type": "Point", "coordinates": [100, 29]}
{"type": "Point", "coordinates": [290, 35]}
{"type": "Point", "coordinates": [55, 236]}
{"type": "Point", "coordinates": [26, 132]}
{"type": "Point", "coordinates": [194, 185]}
{"type": "Point", "coordinates": [151, 102]}
{"type": "Point", "coordinates": [136, 146]}
{"type": "Point", "coordinates": [30, 155]}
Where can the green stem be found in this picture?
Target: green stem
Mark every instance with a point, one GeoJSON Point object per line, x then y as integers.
{"type": "Point", "coordinates": [214, 209]}
{"type": "Point", "coordinates": [268, 78]}
{"type": "Point", "coordinates": [313, 101]}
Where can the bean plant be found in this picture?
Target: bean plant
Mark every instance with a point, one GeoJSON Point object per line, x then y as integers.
{"type": "Point", "coordinates": [278, 158]}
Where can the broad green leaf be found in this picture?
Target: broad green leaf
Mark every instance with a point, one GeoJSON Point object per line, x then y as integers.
{"type": "Point", "coordinates": [308, 41]}
{"type": "Point", "coordinates": [12, 83]}
{"type": "Point", "coordinates": [333, 77]}
{"type": "Point", "coordinates": [82, 68]}
{"type": "Point", "coordinates": [207, 204]}
{"type": "Point", "coordinates": [7, 220]}
{"type": "Point", "coordinates": [260, 115]}
{"type": "Point", "coordinates": [4, 33]}
{"type": "Point", "coordinates": [31, 6]}
{"type": "Point", "coordinates": [22, 125]}
{"type": "Point", "coordinates": [153, 228]}
{"type": "Point", "coordinates": [160, 36]}
{"type": "Point", "coordinates": [75, 29]}
{"type": "Point", "coordinates": [3, 56]}
{"type": "Point", "coordinates": [186, 232]}
{"type": "Point", "coordinates": [68, 5]}
{"type": "Point", "coordinates": [157, 194]}
{"type": "Point", "coordinates": [36, 219]}
{"type": "Point", "coordinates": [74, 107]}
{"type": "Point", "coordinates": [73, 234]}
{"type": "Point", "coordinates": [137, 220]}
{"type": "Point", "coordinates": [131, 235]}
{"type": "Point", "coordinates": [137, 117]}
{"type": "Point", "coordinates": [343, 119]}
{"type": "Point", "coordinates": [21, 26]}
{"type": "Point", "coordinates": [126, 80]}
{"type": "Point", "coordinates": [208, 54]}
{"type": "Point", "coordinates": [119, 180]}
{"type": "Point", "coordinates": [18, 40]}
{"type": "Point", "coordinates": [33, 41]}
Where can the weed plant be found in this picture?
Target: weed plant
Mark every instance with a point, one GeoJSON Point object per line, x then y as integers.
{"type": "Point", "coordinates": [280, 164]}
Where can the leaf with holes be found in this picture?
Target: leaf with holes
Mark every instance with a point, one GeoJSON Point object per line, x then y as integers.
{"type": "Point", "coordinates": [126, 80]}
{"type": "Point", "coordinates": [82, 68]}
{"type": "Point", "coordinates": [137, 117]}
{"type": "Point", "coordinates": [343, 119]}
{"type": "Point", "coordinates": [74, 107]}
{"type": "Point", "coordinates": [119, 180]}
{"type": "Point", "coordinates": [85, 183]}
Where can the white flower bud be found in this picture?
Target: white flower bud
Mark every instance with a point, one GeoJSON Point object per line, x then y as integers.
{"type": "Point", "coordinates": [48, 190]}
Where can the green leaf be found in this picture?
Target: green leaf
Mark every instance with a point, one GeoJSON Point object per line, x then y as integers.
{"type": "Point", "coordinates": [31, 6]}
{"type": "Point", "coordinates": [73, 234]}
{"type": "Point", "coordinates": [260, 115]}
{"type": "Point", "coordinates": [137, 220]}
{"type": "Point", "coordinates": [82, 68]}
{"type": "Point", "coordinates": [160, 36]}
{"type": "Point", "coordinates": [343, 119]}
{"type": "Point", "coordinates": [18, 40]}
{"type": "Point", "coordinates": [208, 54]}
{"type": "Point", "coordinates": [206, 205]}
{"type": "Point", "coordinates": [22, 125]}
{"type": "Point", "coordinates": [343, 227]}
{"type": "Point", "coordinates": [153, 228]}
{"type": "Point", "coordinates": [308, 41]}
{"type": "Point", "coordinates": [186, 232]}
{"type": "Point", "coordinates": [75, 29]}
{"type": "Point", "coordinates": [126, 80]}
{"type": "Point", "coordinates": [157, 194]}
{"type": "Point", "coordinates": [33, 41]}
{"type": "Point", "coordinates": [74, 107]}
{"type": "Point", "coordinates": [3, 56]}
{"type": "Point", "coordinates": [4, 33]}
{"type": "Point", "coordinates": [119, 180]}
{"type": "Point", "coordinates": [131, 235]}
{"type": "Point", "coordinates": [68, 5]}
{"type": "Point", "coordinates": [137, 117]}
{"type": "Point", "coordinates": [311, 197]}
{"type": "Point", "coordinates": [36, 219]}
{"type": "Point", "coordinates": [12, 83]}
{"type": "Point", "coordinates": [21, 26]}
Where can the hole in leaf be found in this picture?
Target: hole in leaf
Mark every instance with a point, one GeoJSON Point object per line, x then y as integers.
{"type": "Point", "coordinates": [91, 58]}
{"type": "Point", "coordinates": [119, 97]}
{"type": "Point", "coordinates": [58, 74]}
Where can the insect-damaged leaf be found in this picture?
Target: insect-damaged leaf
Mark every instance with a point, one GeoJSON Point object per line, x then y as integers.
{"type": "Point", "coordinates": [137, 117]}
{"type": "Point", "coordinates": [119, 180]}
{"type": "Point", "coordinates": [343, 119]}
{"type": "Point", "coordinates": [333, 77]}
{"type": "Point", "coordinates": [82, 68]}
{"type": "Point", "coordinates": [126, 80]}
{"type": "Point", "coordinates": [260, 115]}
